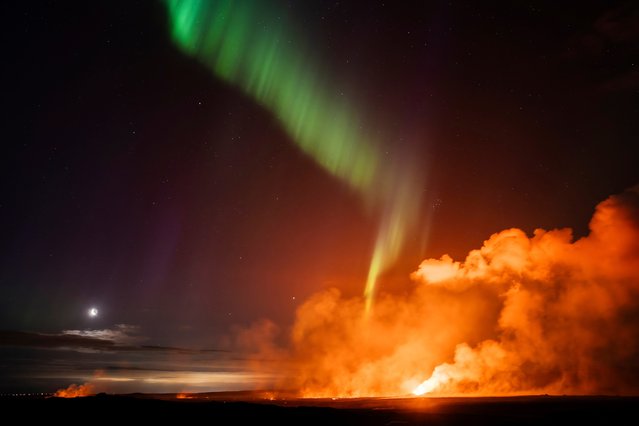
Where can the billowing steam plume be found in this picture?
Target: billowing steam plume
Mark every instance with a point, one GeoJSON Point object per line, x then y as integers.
{"type": "Point", "coordinates": [540, 314]}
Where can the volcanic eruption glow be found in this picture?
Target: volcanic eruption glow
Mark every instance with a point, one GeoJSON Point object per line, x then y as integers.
{"type": "Point", "coordinates": [431, 384]}
{"type": "Point", "coordinates": [75, 391]}
{"type": "Point", "coordinates": [520, 315]}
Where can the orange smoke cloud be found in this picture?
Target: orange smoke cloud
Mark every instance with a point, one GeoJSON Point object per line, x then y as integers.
{"type": "Point", "coordinates": [540, 314]}
{"type": "Point", "coordinates": [74, 391]}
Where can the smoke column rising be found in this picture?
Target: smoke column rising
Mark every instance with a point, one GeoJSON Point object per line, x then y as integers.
{"type": "Point", "coordinates": [520, 315]}
{"type": "Point", "coordinates": [254, 46]}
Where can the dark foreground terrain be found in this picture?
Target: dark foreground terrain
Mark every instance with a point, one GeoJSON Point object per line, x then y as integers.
{"type": "Point", "coordinates": [244, 409]}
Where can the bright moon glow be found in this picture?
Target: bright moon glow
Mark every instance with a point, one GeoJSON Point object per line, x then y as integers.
{"type": "Point", "coordinates": [93, 312]}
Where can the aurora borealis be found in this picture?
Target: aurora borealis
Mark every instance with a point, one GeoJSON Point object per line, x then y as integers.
{"type": "Point", "coordinates": [253, 46]}
{"type": "Point", "coordinates": [221, 179]}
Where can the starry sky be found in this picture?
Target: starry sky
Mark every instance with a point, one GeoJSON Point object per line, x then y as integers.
{"type": "Point", "coordinates": [135, 180]}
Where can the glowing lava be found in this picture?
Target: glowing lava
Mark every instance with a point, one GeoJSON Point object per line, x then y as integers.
{"type": "Point", "coordinates": [431, 384]}
{"type": "Point", "coordinates": [520, 315]}
{"type": "Point", "coordinates": [75, 391]}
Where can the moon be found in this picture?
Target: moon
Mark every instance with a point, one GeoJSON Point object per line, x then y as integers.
{"type": "Point", "coordinates": [93, 312]}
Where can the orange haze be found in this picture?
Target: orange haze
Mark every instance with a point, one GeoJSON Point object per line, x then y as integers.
{"type": "Point", "coordinates": [540, 314]}
{"type": "Point", "coordinates": [74, 391]}
{"type": "Point", "coordinates": [183, 395]}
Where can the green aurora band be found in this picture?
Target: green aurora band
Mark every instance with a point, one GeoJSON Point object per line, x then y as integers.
{"type": "Point", "coordinates": [253, 46]}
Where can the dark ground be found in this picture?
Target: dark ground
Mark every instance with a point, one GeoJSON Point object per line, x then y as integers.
{"type": "Point", "coordinates": [216, 409]}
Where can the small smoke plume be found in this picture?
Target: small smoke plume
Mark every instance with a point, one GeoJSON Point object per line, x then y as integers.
{"type": "Point", "coordinates": [74, 391]}
{"type": "Point", "coordinates": [540, 314]}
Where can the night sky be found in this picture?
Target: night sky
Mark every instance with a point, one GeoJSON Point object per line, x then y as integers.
{"type": "Point", "coordinates": [135, 180]}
